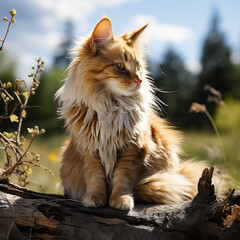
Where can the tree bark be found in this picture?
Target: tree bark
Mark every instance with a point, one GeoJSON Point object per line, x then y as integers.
{"type": "Point", "coordinates": [26, 214]}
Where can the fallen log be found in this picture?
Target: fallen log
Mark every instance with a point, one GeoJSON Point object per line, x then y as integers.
{"type": "Point", "coordinates": [25, 214]}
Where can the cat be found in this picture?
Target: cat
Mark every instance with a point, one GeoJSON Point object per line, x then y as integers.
{"type": "Point", "coordinates": [119, 150]}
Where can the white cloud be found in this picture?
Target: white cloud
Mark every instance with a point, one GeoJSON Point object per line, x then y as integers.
{"type": "Point", "coordinates": [75, 9]}
{"type": "Point", "coordinates": [42, 27]}
{"type": "Point", "coordinates": [48, 22]}
{"type": "Point", "coordinates": [46, 41]}
{"type": "Point", "coordinates": [55, 12]}
{"type": "Point", "coordinates": [162, 32]}
{"type": "Point", "coordinates": [32, 45]}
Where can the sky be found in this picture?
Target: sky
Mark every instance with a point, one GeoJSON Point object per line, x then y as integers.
{"type": "Point", "coordinates": [181, 25]}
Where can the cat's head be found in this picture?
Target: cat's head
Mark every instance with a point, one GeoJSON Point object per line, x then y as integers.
{"type": "Point", "coordinates": [113, 63]}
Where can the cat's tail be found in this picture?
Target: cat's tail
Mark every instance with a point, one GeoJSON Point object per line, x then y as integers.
{"type": "Point", "coordinates": [171, 186]}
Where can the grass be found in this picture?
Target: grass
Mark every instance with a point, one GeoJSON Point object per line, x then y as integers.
{"type": "Point", "coordinates": [49, 149]}
{"type": "Point", "coordinates": [197, 145]}
{"type": "Point", "coordinates": [205, 146]}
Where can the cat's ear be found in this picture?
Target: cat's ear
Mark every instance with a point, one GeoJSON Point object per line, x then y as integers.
{"type": "Point", "coordinates": [102, 34]}
{"type": "Point", "coordinates": [135, 34]}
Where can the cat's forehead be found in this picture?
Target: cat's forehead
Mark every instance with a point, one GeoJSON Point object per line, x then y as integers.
{"type": "Point", "coordinates": [123, 50]}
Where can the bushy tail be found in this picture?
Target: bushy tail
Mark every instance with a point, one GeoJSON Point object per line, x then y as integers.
{"type": "Point", "coordinates": [172, 186]}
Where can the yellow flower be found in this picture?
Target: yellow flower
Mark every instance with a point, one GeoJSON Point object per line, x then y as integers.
{"type": "Point", "coordinates": [25, 94]}
{"type": "Point", "coordinates": [13, 118]}
{"type": "Point", "coordinates": [29, 171]}
{"type": "Point", "coordinates": [52, 157]}
{"type": "Point", "coordinates": [13, 12]}
{"type": "Point", "coordinates": [3, 95]}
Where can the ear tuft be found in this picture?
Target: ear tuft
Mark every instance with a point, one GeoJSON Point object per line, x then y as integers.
{"type": "Point", "coordinates": [102, 34]}
{"type": "Point", "coordinates": [135, 34]}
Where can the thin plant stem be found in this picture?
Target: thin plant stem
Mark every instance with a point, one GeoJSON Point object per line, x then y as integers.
{"type": "Point", "coordinates": [24, 105]}
{"type": "Point", "coordinates": [11, 144]}
{"type": "Point", "coordinates": [9, 24]}
{"type": "Point", "coordinates": [22, 108]}
{"type": "Point", "coordinates": [37, 165]}
{"type": "Point", "coordinates": [214, 126]}
{"type": "Point", "coordinates": [9, 171]}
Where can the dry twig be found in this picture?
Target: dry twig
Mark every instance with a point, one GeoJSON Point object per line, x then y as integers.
{"type": "Point", "coordinates": [18, 157]}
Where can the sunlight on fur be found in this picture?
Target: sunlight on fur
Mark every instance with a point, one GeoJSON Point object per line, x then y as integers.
{"type": "Point", "coordinates": [119, 151]}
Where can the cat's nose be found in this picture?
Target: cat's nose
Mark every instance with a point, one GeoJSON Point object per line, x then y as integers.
{"type": "Point", "coordinates": [137, 79]}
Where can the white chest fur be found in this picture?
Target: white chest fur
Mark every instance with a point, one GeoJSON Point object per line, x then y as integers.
{"type": "Point", "coordinates": [112, 131]}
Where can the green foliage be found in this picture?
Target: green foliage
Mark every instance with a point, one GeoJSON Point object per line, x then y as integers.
{"type": "Point", "coordinates": [227, 117]}
{"type": "Point", "coordinates": [205, 146]}
{"type": "Point", "coordinates": [234, 82]}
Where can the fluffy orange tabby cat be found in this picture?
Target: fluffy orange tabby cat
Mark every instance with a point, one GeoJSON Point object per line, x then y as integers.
{"type": "Point", "coordinates": [119, 150]}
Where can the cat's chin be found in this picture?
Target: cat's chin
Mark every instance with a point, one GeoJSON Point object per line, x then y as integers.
{"type": "Point", "coordinates": [119, 91]}
{"type": "Point", "coordinates": [127, 92]}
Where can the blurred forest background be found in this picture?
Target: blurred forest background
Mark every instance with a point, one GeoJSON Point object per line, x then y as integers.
{"type": "Point", "coordinates": [178, 87]}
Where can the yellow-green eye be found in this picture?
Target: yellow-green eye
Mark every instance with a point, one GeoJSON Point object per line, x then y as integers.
{"type": "Point", "coordinates": [138, 67]}
{"type": "Point", "coordinates": [120, 66]}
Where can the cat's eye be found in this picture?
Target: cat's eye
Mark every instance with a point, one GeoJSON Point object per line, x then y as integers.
{"type": "Point", "coordinates": [138, 67]}
{"type": "Point", "coordinates": [120, 66]}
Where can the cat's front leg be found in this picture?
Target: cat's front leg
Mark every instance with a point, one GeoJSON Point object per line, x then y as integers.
{"type": "Point", "coordinates": [95, 195]}
{"type": "Point", "coordinates": [124, 178]}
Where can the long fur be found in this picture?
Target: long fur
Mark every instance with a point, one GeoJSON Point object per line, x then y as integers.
{"type": "Point", "coordinates": [116, 138]}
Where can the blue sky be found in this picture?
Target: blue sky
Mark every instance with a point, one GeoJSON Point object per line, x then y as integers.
{"type": "Point", "coordinates": [181, 24]}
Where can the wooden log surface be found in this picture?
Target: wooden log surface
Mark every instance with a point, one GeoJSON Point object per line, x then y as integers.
{"type": "Point", "coordinates": [26, 214]}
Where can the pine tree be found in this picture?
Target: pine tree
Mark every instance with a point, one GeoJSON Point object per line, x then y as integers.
{"type": "Point", "coordinates": [175, 81]}
{"type": "Point", "coordinates": [216, 64]}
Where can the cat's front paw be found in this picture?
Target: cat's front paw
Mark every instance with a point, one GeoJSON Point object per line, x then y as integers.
{"type": "Point", "coordinates": [94, 200]}
{"type": "Point", "coordinates": [123, 202]}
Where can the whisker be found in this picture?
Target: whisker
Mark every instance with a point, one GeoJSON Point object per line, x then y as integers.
{"type": "Point", "coordinates": [161, 71]}
{"type": "Point", "coordinates": [161, 102]}
{"type": "Point", "coordinates": [163, 91]}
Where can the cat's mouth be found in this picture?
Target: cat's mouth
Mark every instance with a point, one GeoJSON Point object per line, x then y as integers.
{"type": "Point", "coordinates": [137, 86]}
{"type": "Point", "coordinates": [138, 81]}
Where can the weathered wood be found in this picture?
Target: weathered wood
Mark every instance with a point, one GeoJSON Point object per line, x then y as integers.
{"type": "Point", "coordinates": [26, 214]}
